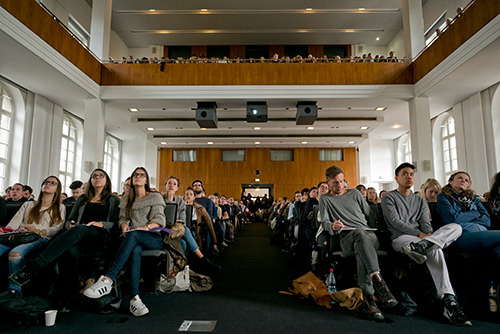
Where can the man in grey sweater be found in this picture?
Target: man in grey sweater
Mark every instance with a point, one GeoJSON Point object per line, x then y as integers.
{"type": "Point", "coordinates": [408, 220]}
{"type": "Point", "coordinates": [345, 212]}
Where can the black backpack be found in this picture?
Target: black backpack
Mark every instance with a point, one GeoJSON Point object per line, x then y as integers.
{"type": "Point", "coordinates": [18, 310]}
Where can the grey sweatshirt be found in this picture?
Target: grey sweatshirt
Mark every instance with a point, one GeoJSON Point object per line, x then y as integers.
{"type": "Point", "coordinates": [405, 214]}
{"type": "Point", "coordinates": [351, 209]}
{"type": "Point", "coordinates": [145, 211]}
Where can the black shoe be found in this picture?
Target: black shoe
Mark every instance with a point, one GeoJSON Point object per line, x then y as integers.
{"type": "Point", "coordinates": [387, 300]}
{"type": "Point", "coordinates": [24, 275]}
{"type": "Point", "coordinates": [372, 310]}
{"type": "Point", "coordinates": [453, 311]}
{"type": "Point", "coordinates": [416, 252]}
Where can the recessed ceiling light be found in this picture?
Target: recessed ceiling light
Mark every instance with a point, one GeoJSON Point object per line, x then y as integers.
{"type": "Point", "coordinates": [396, 126]}
{"type": "Point", "coordinates": [378, 38]}
{"type": "Point", "coordinates": [150, 129]}
{"type": "Point", "coordinates": [256, 127]}
{"type": "Point", "coordinates": [349, 30]}
{"type": "Point", "coordinates": [133, 109]}
{"type": "Point", "coordinates": [352, 142]}
{"type": "Point", "coordinates": [163, 142]}
{"type": "Point", "coordinates": [380, 108]}
{"type": "Point", "coordinates": [257, 142]}
{"type": "Point", "coordinates": [362, 8]}
{"type": "Point", "coordinates": [203, 128]}
{"type": "Point", "coordinates": [204, 9]}
{"type": "Point", "coordinates": [152, 10]}
{"type": "Point", "coordinates": [310, 128]}
{"type": "Point", "coordinates": [304, 142]}
{"type": "Point", "coordinates": [363, 128]}
{"type": "Point", "coordinates": [210, 142]}
{"type": "Point", "coordinates": [309, 8]}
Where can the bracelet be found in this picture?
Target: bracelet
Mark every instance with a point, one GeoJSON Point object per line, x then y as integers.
{"type": "Point", "coordinates": [149, 227]}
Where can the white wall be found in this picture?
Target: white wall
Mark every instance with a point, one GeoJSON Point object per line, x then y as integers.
{"type": "Point", "coordinates": [139, 153]}
{"type": "Point", "coordinates": [376, 50]}
{"type": "Point", "coordinates": [382, 162]}
{"type": "Point", "coordinates": [117, 49]}
{"type": "Point", "coordinates": [139, 52]}
{"type": "Point", "coordinates": [433, 9]}
{"type": "Point", "coordinates": [78, 9]}
{"type": "Point", "coordinates": [397, 45]}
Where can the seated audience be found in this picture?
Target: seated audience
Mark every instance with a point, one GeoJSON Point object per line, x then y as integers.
{"type": "Point", "coordinates": [371, 196]}
{"type": "Point", "coordinates": [200, 215]}
{"type": "Point", "coordinates": [140, 211]}
{"type": "Point", "coordinates": [16, 194]}
{"type": "Point", "coordinates": [407, 217]}
{"type": "Point", "coordinates": [94, 215]}
{"type": "Point", "coordinates": [457, 203]}
{"type": "Point", "coordinates": [28, 192]}
{"type": "Point", "coordinates": [63, 196]}
{"type": "Point", "coordinates": [362, 190]}
{"type": "Point", "coordinates": [429, 190]}
{"type": "Point", "coordinates": [43, 217]}
{"type": "Point", "coordinates": [75, 191]}
{"type": "Point", "coordinates": [346, 208]}
{"type": "Point", "coordinates": [382, 193]}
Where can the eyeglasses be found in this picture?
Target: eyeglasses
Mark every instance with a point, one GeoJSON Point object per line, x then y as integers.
{"type": "Point", "coordinates": [141, 175]}
{"type": "Point", "coordinates": [127, 185]}
{"type": "Point", "coordinates": [50, 183]}
{"type": "Point", "coordinates": [97, 176]}
{"type": "Point", "coordinates": [324, 187]}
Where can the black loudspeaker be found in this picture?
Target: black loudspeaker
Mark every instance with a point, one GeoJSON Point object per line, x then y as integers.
{"type": "Point", "coordinates": [307, 112]}
{"type": "Point", "coordinates": [206, 116]}
{"type": "Point", "coordinates": [256, 112]}
{"type": "Point", "coordinates": [257, 172]}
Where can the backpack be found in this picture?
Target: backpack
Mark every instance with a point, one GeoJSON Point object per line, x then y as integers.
{"type": "Point", "coordinates": [18, 310]}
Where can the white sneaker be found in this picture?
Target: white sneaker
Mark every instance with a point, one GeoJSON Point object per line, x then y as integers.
{"type": "Point", "coordinates": [100, 288]}
{"type": "Point", "coordinates": [137, 307]}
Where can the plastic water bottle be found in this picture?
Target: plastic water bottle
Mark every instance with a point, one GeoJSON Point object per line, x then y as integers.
{"type": "Point", "coordinates": [331, 283]}
{"type": "Point", "coordinates": [493, 298]}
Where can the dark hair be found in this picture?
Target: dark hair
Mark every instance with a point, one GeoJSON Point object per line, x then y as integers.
{"type": "Point", "coordinates": [174, 178]}
{"type": "Point", "coordinates": [495, 189]}
{"type": "Point", "coordinates": [216, 194]}
{"type": "Point", "coordinates": [305, 191]}
{"type": "Point", "coordinates": [189, 188]}
{"type": "Point", "coordinates": [333, 171]}
{"type": "Point", "coordinates": [90, 190]}
{"type": "Point", "coordinates": [297, 192]}
{"type": "Point", "coordinates": [132, 194]}
{"type": "Point", "coordinates": [197, 181]}
{"type": "Point", "coordinates": [19, 184]}
{"type": "Point", "coordinates": [319, 184]}
{"type": "Point", "coordinates": [26, 187]}
{"type": "Point", "coordinates": [360, 186]}
{"type": "Point", "coordinates": [404, 165]}
{"type": "Point", "coordinates": [452, 176]}
{"type": "Point", "coordinates": [75, 185]}
{"type": "Point", "coordinates": [285, 198]}
{"type": "Point", "coordinates": [55, 207]}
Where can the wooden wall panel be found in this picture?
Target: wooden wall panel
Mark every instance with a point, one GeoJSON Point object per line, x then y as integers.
{"type": "Point", "coordinates": [227, 177]}
{"type": "Point", "coordinates": [238, 51]}
{"type": "Point", "coordinates": [29, 13]}
{"type": "Point", "coordinates": [165, 51]}
{"type": "Point", "coordinates": [469, 23]}
{"type": "Point", "coordinates": [199, 50]}
{"type": "Point", "coordinates": [317, 51]}
{"type": "Point", "coordinates": [259, 74]}
{"type": "Point", "coordinates": [279, 49]}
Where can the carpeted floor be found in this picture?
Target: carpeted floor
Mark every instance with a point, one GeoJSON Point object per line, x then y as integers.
{"type": "Point", "coordinates": [246, 299]}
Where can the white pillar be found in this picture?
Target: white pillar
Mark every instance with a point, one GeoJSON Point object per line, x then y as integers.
{"type": "Point", "coordinates": [413, 26]}
{"type": "Point", "coordinates": [421, 139]}
{"type": "Point", "coordinates": [365, 165]}
{"type": "Point", "coordinates": [100, 28]}
{"type": "Point", "coordinates": [94, 135]}
{"type": "Point", "coordinates": [489, 134]}
{"type": "Point", "coordinates": [475, 145]}
{"type": "Point", "coordinates": [140, 153]}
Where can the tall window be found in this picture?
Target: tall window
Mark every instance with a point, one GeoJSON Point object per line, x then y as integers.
{"type": "Point", "coordinates": [407, 150]}
{"type": "Point", "coordinates": [108, 156]}
{"type": "Point", "coordinates": [5, 129]}
{"type": "Point", "coordinates": [449, 147]}
{"type": "Point", "coordinates": [67, 160]}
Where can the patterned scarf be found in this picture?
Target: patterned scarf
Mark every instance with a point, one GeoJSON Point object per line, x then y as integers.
{"type": "Point", "coordinates": [463, 199]}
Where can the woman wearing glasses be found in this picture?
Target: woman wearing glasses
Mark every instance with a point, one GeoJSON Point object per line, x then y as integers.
{"type": "Point", "coordinates": [93, 216]}
{"type": "Point", "coordinates": [43, 217]}
{"type": "Point", "coordinates": [140, 211]}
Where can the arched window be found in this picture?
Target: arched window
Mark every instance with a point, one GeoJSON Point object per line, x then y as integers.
{"type": "Point", "coordinates": [407, 150]}
{"type": "Point", "coordinates": [449, 146]}
{"type": "Point", "coordinates": [5, 130]}
{"type": "Point", "coordinates": [108, 156]}
{"type": "Point", "coordinates": [67, 160]}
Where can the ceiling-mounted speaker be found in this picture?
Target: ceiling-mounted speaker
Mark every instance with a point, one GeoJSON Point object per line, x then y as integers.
{"type": "Point", "coordinates": [257, 112]}
{"type": "Point", "coordinates": [206, 115]}
{"type": "Point", "coordinates": [307, 112]}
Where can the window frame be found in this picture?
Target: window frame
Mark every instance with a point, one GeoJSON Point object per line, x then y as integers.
{"type": "Point", "coordinates": [64, 175]}
{"type": "Point", "coordinates": [10, 114]}
{"type": "Point", "coordinates": [447, 137]}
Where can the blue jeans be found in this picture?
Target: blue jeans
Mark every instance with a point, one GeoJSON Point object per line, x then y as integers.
{"type": "Point", "coordinates": [16, 264]}
{"type": "Point", "coordinates": [188, 240]}
{"type": "Point", "coordinates": [479, 241]}
{"type": "Point", "coordinates": [131, 248]}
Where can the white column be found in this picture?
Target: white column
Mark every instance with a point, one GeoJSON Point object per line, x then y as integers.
{"type": "Point", "coordinates": [421, 139]}
{"type": "Point", "coordinates": [489, 133]}
{"type": "Point", "coordinates": [365, 165]}
{"type": "Point", "coordinates": [413, 26]}
{"type": "Point", "coordinates": [458, 117]}
{"type": "Point", "coordinates": [475, 145]}
{"type": "Point", "coordinates": [100, 28]}
{"type": "Point", "coordinates": [94, 135]}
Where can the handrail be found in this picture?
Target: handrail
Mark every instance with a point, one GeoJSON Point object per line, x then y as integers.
{"type": "Point", "coordinates": [145, 60]}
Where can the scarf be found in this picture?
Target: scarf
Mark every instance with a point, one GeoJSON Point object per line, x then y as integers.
{"type": "Point", "coordinates": [465, 199]}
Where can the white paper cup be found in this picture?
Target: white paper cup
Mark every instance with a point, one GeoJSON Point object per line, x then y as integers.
{"type": "Point", "coordinates": [50, 317]}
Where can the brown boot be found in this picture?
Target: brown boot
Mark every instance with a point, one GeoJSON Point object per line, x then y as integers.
{"type": "Point", "coordinates": [371, 308]}
{"type": "Point", "coordinates": [387, 300]}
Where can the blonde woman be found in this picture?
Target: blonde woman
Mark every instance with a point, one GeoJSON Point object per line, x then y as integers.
{"type": "Point", "coordinates": [429, 190]}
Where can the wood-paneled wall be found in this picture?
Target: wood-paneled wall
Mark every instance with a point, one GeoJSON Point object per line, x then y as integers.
{"type": "Point", "coordinates": [29, 13]}
{"type": "Point", "coordinates": [470, 22]}
{"type": "Point", "coordinates": [279, 49]}
{"type": "Point", "coordinates": [199, 50]}
{"type": "Point", "coordinates": [226, 177]}
{"type": "Point", "coordinates": [259, 74]}
{"type": "Point", "coordinates": [316, 50]}
{"type": "Point", "coordinates": [237, 51]}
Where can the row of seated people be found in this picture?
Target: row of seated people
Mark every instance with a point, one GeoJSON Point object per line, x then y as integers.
{"type": "Point", "coordinates": [365, 58]}
{"type": "Point", "coordinates": [459, 219]}
{"type": "Point", "coordinates": [100, 226]}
